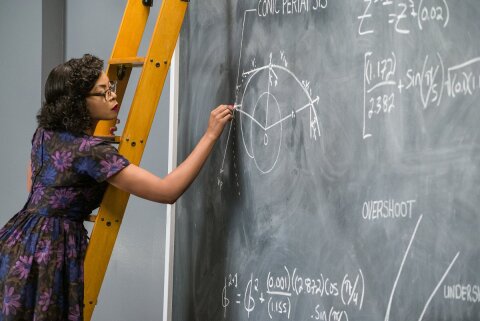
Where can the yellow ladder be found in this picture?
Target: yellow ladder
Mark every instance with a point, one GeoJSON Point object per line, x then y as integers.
{"type": "Point", "coordinates": [139, 121]}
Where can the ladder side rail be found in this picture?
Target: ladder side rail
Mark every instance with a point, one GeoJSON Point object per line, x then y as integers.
{"type": "Point", "coordinates": [126, 44]}
{"type": "Point", "coordinates": [152, 79]}
{"type": "Point", "coordinates": [132, 145]}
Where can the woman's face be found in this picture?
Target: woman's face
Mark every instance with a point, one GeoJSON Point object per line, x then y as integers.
{"type": "Point", "coordinates": [102, 101]}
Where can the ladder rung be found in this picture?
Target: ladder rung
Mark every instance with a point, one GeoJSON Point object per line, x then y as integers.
{"type": "Point", "coordinates": [131, 61]}
{"type": "Point", "coordinates": [112, 139]}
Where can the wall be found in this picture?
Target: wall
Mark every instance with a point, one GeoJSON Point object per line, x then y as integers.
{"type": "Point", "coordinates": [53, 36]}
{"type": "Point", "coordinates": [20, 92]}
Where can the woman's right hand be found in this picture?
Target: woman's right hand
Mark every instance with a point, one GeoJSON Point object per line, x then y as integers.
{"type": "Point", "coordinates": [218, 119]}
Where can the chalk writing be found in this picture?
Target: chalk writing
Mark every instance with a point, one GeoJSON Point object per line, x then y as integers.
{"type": "Point", "coordinates": [289, 7]}
{"type": "Point", "coordinates": [400, 270]}
{"type": "Point", "coordinates": [382, 209]}
{"type": "Point", "coordinates": [464, 79]}
{"type": "Point", "coordinates": [431, 81]}
{"type": "Point", "coordinates": [262, 118]}
{"type": "Point", "coordinates": [275, 293]}
{"type": "Point", "coordinates": [462, 292]}
{"type": "Point", "coordinates": [402, 15]}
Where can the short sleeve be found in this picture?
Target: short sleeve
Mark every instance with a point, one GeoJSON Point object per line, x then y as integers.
{"type": "Point", "coordinates": [34, 136]}
{"type": "Point", "coordinates": [102, 161]}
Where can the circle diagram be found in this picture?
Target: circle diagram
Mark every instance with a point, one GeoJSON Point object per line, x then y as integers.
{"type": "Point", "coordinates": [272, 98]}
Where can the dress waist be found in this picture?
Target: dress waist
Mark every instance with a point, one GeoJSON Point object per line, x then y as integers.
{"type": "Point", "coordinates": [64, 215]}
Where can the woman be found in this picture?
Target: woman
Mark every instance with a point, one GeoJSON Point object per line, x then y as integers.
{"type": "Point", "coordinates": [42, 247]}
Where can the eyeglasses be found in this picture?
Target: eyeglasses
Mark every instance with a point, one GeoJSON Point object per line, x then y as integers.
{"type": "Point", "coordinates": [112, 88]}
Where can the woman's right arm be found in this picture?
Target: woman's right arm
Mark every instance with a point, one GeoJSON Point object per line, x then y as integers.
{"type": "Point", "coordinates": [142, 183]}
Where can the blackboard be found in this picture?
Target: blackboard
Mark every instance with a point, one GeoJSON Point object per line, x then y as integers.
{"type": "Point", "coordinates": [348, 185]}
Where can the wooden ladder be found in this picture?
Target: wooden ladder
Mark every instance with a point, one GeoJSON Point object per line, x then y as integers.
{"type": "Point", "coordinates": [139, 121]}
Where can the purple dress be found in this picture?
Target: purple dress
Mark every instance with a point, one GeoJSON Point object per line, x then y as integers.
{"type": "Point", "coordinates": [42, 248]}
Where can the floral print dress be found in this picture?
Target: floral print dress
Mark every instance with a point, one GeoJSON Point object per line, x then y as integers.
{"type": "Point", "coordinates": [42, 247]}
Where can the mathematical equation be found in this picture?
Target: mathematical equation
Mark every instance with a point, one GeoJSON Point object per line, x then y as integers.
{"type": "Point", "coordinates": [432, 81]}
{"type": "Point", "coordinates": [289, 7]}
{"type": "Point", "coordinates": [401, 14]}
{"type": "Point", "coordinates": [278, 291]}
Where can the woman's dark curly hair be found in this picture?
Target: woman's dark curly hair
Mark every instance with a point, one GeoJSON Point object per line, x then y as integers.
{"type": "Point", "coordinates": [65, 106]}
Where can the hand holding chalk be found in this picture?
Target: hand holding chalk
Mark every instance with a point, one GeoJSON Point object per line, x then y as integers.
{"type": "Point", "coordinates": [218, 119]}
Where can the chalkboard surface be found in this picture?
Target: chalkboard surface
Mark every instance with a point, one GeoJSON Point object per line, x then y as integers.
{"type": "Point", "coordinates": [348, 185]}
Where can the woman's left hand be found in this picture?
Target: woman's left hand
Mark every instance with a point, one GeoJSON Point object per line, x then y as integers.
{"type": "Point", "coordinates": [114, 129]}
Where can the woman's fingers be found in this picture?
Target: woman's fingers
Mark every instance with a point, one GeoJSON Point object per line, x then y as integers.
{"type": "Point", "coordinates": [225, 116]}
{"type": "Point", "coordinates": [226, 112]}
{"type": "Point", "coordinates": [218, 118]}
{"type": "Point", "coordinates": [114, 128]}
{"type": "Point", "coordinates": [222, 109]}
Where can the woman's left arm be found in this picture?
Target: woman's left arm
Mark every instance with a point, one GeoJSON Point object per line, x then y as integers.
{"type": "Point", "coordinates": [29, 177]}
